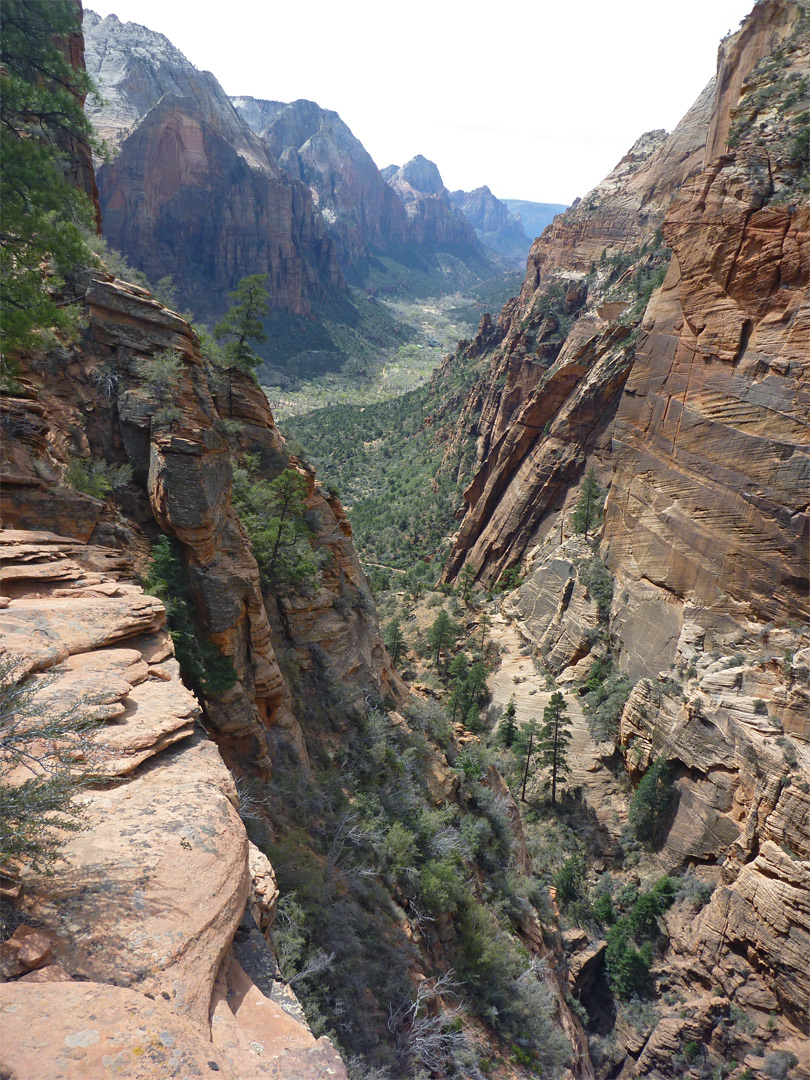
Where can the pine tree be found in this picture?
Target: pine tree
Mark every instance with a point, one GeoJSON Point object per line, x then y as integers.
{"type": "Point", "coordinates": [465, 580]}
{"type": "Point", "coordinates": [652, 804]}
{"type": "Point", "coordinates": [484, 623]}
{"type": "Point", "coordinates": [524, 745]}
{"type": "Point", "coordinates": [508, 729]}
{"type": "Point", "coordinates": [274, 514]}
{"type": "Point", "coordinates": [242, 323]}
{"type": "Point", "coordinates": [394, 641]}
{"type": "Point", "coordinates": [476, 694]}
{"type": "Point", "coordinates": [588, 510]}
{"type": "Point", "coordinates": [47, 756]}
{"type": "Point", "coordinates": [553, 740]}
{"type": "Point", "coordinates": [457, 673]}
{"type": "Point", "coordinates": [41, 117]}
{"type": "Point", "coordinates": [442, 634]}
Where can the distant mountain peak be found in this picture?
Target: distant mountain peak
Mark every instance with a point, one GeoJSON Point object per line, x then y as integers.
{"type": "Point", "coordinates": [422, 175]}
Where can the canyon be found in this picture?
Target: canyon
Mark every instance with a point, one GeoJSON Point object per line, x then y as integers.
{"type": "Point", "coordinates": [314, 807]}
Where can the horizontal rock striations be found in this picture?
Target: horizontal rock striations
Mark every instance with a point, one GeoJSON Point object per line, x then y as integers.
{"type": "Point", "coordinates": [737, 284]}
{"type": "Point", "coordinates": [136, 924]}
{"type": "Point", "coordinates": [709, 496]}
{"type": "Point", "coordinates": [111, 404]}
{"type": "Point", "coordinates": [661, 338]}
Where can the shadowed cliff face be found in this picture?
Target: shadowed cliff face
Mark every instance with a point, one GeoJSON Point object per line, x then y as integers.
{"type": "Point", "coordinates": [495, 226]}
{"type": "Point", "coordinates": [192, 192]}
{"type": "Point", "coordinates": [315, 146]}
{"type": "Point", "coordinates": [692, 407]}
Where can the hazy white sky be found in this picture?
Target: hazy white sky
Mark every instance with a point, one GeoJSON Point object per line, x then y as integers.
{"type": "Point", "coordinates": [537, 99]}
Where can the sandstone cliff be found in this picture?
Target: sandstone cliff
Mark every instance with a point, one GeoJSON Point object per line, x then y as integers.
{"type": "Point", "coordinates": [191, 192]}
{"type": "Point", "coordinates": [110, 406]}
{"type": "Point", "coordinates": [690, 405]}
{"type": "Point", "coordinates": [140, 956]}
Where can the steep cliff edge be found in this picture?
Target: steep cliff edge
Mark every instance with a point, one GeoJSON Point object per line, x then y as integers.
{"type": "Point", "coordinates": [315, 146]}
{"type": "Point", "coordinates": [127, 960]}
{"type": "Point", "coordinates": [594, 265]}
{"type": "Point", "coordinates": [179, 438]}
{"type": "Point", "coordinates": [661, 338]}
{"type": "Point", "coordinates": [331, 778]}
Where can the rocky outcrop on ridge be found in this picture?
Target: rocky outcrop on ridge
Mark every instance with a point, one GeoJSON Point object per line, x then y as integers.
{"type": "Point", "coordinates": [136, 971]}
{"type": "Point", "coordinates": [315, 146]}
{"type": "Point", "coordinates": [108, 405]}
{"type": "Point", "coordinates": [495, 225]}
{"type": "Point", "coordinates": [191, 191]}
{"type": "Point", "coordinates": [432, 217]}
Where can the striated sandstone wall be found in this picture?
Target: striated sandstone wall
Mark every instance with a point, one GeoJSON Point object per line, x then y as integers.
{"type": "Point", "coordinates": [133, 967]}
{"type": "Point", "coordinates": [712, 470]}
{"type": "Point", "coordinates": [708, 452]}
{"type": "Point", "coordinates": [702, 440]}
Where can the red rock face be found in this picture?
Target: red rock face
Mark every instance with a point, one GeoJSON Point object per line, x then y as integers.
{"type": "Point", "coordinates": [182, 485]}
{"type": "Point", "coordinates": [182, 198]}
{"type": "Point", "coordinates": [192, 192]}
{"type": "Point", "coordinates": [709, 497]}
{"type": "Point", "coordinates": [709, 461]}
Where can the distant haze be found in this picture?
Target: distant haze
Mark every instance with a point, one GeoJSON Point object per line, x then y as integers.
{"type": "Point", "coordinates": [538, 101]}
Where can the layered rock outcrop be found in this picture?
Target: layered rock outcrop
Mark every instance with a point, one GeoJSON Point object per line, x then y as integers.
{"type": "Point", "coordinates": [709, 496]}
{"type": "Point", "coordinates": [691, 406]}
{"type": "Point", "coordinates": [139, 918]}
{"type": "Point", "coordinates": [191, 191]}
{"type": "Point", "coordinates": [112, 404]}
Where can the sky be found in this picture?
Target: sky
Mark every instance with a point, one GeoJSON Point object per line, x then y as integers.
{"type": "Point", "coordinates": [537, 99]}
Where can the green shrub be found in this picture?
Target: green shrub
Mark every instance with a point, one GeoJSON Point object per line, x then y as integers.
{"type": "Point", "coordinates": [652, 804]}
{"type": "Point", "coordinates": [53, 749]}
{"type": "Point", "coordinates": [273, 513]}
{"type": "Point", "coordinates": [605, 694]}
{"type": "Point", "coordinates": [627, 965]}
{"type": "Point", "coordinates": [598, 582]}
{"type": "Point", "coordinates": [96, 477]}
{"type": "Point", "coordinates": [441, 886]}
{"type": "Point", "coordinates": [202, 665]}
{"type": "Point", "coordinates": [400, 848]}
{"type": "Point", "coordinates": [778, 1063]}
